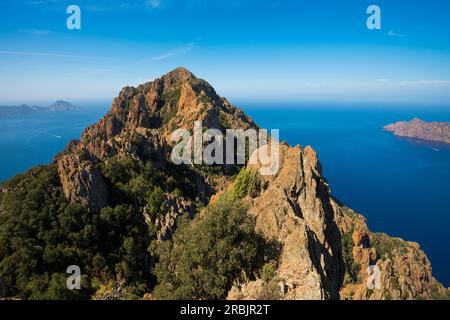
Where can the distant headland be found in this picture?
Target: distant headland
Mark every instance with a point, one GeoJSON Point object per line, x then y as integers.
{"type": "Point", "coordinates": [419, 129]}
{"type": "Point", "coordinates": [58, 106]}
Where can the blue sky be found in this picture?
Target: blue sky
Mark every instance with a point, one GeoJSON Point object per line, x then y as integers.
{"type": "Point", "coordinates": [247, 49]}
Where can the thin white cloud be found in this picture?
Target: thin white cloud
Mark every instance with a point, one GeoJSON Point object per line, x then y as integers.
{"type": "Point", "coordinates": [172, 53]}
{"type": "Point", "coordinates": [392, 33]}
{"type": "Point", "coordinates": [36, 32]}
{"type": "Point", "coordinates": [97, 8]}
{"type": "Point", "coordinates": [426, 82]}
{"type": "Point", "coordinates": [44, 54]}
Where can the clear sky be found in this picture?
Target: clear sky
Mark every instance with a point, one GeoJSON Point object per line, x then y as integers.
{"type": "Point", "coordinates": [247, 49]}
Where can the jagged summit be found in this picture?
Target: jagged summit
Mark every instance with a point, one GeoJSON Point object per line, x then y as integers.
{"type": "Point", "coordinates": [173, 79]}
{"type": "Point", "coordinates": [179, 75]}
{"type": "Point", "coordinates": [139, 126]}
{"type": "Point", "coordinates": [175, 100]}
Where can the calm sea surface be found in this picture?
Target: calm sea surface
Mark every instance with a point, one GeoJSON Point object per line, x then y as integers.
{"type": "Point", "coordinates": [402, 186]}
{"type": "Point", "coordinates": [29, 140]}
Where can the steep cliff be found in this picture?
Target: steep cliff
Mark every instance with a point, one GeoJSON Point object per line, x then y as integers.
{"type": "Point", "coordinates": [325, 248]}
{"type": "Point", "coordinates": [293, 208]}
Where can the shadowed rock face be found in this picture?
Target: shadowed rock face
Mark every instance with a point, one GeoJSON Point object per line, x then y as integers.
{"type": "Point", "coordinates": [82, 182]}
{"type": "Point", "coordinates": [416, 128]}
{"type": "Point", "coordinates": [315, 237]}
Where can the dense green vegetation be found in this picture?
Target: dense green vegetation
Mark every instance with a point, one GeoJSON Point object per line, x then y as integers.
{"type": "Point", "coordinates": [41, 235]}
{"type": "Point", "coordinates": [209, 254]}
{"type": "Point", "coordinates": [134, 182]}
{"type": "Point", "coordinates": [385, 244]}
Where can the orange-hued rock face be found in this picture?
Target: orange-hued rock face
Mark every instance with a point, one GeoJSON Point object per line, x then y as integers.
{"type": "Point", "coordinates": [294, 210]}
{"type": "Point", "coordinates": [360, 238]}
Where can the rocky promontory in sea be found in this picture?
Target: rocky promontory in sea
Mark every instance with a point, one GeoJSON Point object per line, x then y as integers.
{"type": "Point", "coordinates": [141, 227]}
{"type": "Point", "coordinates": [419, 129]}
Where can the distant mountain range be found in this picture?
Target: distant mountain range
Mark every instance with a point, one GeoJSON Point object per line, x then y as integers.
{"type": "Point", "coordinates": [58, 106]}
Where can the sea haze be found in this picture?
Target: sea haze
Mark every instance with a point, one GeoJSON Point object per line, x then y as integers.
{"type": "Point", "coordinates": [402, 186]}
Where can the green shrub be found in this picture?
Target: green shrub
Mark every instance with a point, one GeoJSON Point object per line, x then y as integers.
{"type": "Point", "coordinates": [437, 295]}
{"type": "Point", "coordinates": [271, 289]}
{"type": "Point", "coordinates": [351, 266]}
{"type": "Point", "coordinates": [268, 272]}
{"type": "Point", "coordinates": [207, 255]}
{"type": "Point", "coordinates": [385, 244]}
{"type": "Point", "coordinates": [246, 183]}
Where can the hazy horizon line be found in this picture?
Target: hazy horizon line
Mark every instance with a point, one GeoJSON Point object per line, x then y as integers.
{"type": "Point", "coordinates": [249, 103]}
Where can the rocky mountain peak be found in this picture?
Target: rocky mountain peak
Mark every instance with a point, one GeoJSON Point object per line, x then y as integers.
{"type": "Point", "coordinates": [178, 76]}
{"type": "Point", "coordinates": [139, 126]}
{"type": "Point", "coordinates": [175, 100]}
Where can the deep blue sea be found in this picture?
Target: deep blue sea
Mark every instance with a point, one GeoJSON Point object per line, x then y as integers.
{"type": "Point", "coordinates": [33, 139]}
{"type": "Point", "coordinates": [402, 186]}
